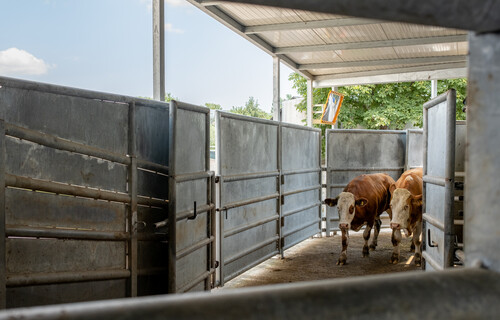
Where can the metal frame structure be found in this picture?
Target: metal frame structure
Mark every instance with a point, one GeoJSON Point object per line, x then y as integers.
{"type": "Point", "coordinates": [439, 181]}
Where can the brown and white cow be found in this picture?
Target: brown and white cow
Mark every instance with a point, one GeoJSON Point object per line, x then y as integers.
{"type": "Point", "coordinates": [362, 202]}
{"type": "Point", "coordinates": [406, 207]}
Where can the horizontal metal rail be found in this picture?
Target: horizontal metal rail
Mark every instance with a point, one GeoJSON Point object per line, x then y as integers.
{"type": "Point", "coordinates": [22, 231]}
{"type": "Point", "coordinates": [288, 193]}
{"type": "Point", "coordinates": [148, 165]}
{"type": "Point", "coordinates": [439, 181]}
{"type": "Point", "coordinates": [189, 213]}
{"type": "Point", "coordinates": [242, 203]}
{"type": "Point", "coordinates": [193, 176]}
{"type": "Point", "coordinates": [250, 250]}
{"type": "Point", "coordinates": [21, 280]}
{"type": "Point", "coordinates": [299, 127]}
{"type": "Point", "coordinates": [430, 260]}
{"type": "Point", "coordinates": [464, 293]}
{"type": "Point", "coordinates": [338, 185]}
{"type": "Point", "coordinates": [300, 228]}
{"type": "Point", "coordinates": [291, 212]}
{"type": "Point", "coordinates": [433, 221]}
{"type": "Point", "coordinates": [79, 191]}
{"type": "Point", "coordinates": [366, 169]}
{"type": "Point", "coordinates": [249, 176]}
{"type": "Point", "coordinates": [234, 116]}
{"type": "Point", "coordinates": [301, 171]}
{"type": "Point", "coordinates": [63, 144]}
{"type": "Point", "coordinates": [236, 230]}
{"type": "Point", "coordinates": [186, 251]}
{"type": "Point", "coordinates": [80, 93]}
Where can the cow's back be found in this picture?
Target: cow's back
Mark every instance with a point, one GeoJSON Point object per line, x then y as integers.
{"type": "Point", "coordinates": [375, 188]}
{"type": "Point", "coordinates": [412, 181]}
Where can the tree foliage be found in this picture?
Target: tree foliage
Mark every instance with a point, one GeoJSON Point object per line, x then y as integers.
{"type": "Point", "coordinates": [251, 109]}
{"type": "Point", "coordinates": [382, 106]}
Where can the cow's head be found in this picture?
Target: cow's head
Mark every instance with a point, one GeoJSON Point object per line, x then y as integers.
{"type": "Point", "coordinates": [346, 206]}
{"type": "Point", "coordinates": [403, 203]}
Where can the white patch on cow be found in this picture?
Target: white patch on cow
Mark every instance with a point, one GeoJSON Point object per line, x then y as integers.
{"type": "Point", "coordinates": [400, 206]}
{"type": "Point", "coordinates": [346, 200]}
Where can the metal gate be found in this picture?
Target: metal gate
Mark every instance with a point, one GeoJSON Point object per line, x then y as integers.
{"type": "Point", "coordinates": [439, 173]}
{"type": "Point", "coordinates": [83, 177]}
{"type": "Point", "coordinates": [301, 184]}
{"type": "Point", "coordinates": [192, 199]}
{"type": "Point", "coordinates": [354, 152]}
{"type": "Point", "coordinates": [248, 163]}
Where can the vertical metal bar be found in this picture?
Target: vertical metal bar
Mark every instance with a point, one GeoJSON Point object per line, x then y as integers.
{"type": "Point", "coordinates": [450, 178]}
{"type": "Point", "coordinates": [218, 157]}
{"type": "Point", "coordinates": [424, 197]}
{"type": "Point", "coordinates": [320, 138]}
{"type": "Point", "coordinates": [213, 226]}
{"type": "Point", "coordinates": [158, 50]}
{"type": "Point", "coordinates": [434, 88]}
{"type": "Point", "coordinates": [328, 182]}
{"type": "Point", "coordinates": [172, 208]}
{"type": "Point", "coordinates": [208, 281]}
{"type": "Point", "coordinates": [132, 219]}
{"type": "Point", "coordinates": [276, 89]}
{"type": "Point", "coordinates": [3, 251]}
{"type": "Point", "coordinates": [309, 115]}
{"type": "Point", "coordinates": [279, 206]}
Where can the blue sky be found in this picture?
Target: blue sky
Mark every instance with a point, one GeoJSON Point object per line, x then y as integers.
{"type": "Point", "coordinates": [106, 45]}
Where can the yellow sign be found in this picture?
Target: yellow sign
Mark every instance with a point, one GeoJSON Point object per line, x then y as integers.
{"type": "Point", "coordinates": [332, 108]}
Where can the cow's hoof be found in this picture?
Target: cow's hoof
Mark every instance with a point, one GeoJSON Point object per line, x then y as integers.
{"type": "Point", "coordinates": [394, 259]}
{"type": "Point", "coordinates": [373, 246]}
{"type": "Point", "coordinates": [366, 251]}
{"type": "Point", "coordinates": [341, 262]}
{"type": "Point", "coordinates": [412, 247]}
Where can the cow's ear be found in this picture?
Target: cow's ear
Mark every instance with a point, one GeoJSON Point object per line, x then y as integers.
{"type": "Point", "coordinates": [416, 201]}
{"type": "Point", "coordinates": [331, 201]}
{"type": "Point", "coordinates": [392, 188]}
{"type": "Point", "coordinates": [361, 202]}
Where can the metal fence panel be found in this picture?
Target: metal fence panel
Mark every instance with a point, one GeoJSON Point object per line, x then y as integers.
{"type": "Point", "coordinates": [193, 201]}
{"type": "Point", "coordinates": [79, 199]}
{"type": "Point", "coordinates": [248, 167]}
{"type": "Point", "coordinates": [354, 152]}
{"type": "Point", "coordinates": [414, 149]}
{"type": "Point", "coordinates": [301, 183]}
{"type": "Point", "coordinates": [439, 175]}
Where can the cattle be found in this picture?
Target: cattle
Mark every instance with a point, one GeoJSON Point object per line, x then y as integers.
{"type": "Point", "coordinates": [362, 202]}
{"type": "Point", "coordinates": [406, 207]}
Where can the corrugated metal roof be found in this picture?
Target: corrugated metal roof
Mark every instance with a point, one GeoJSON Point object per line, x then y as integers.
{"type": "Point", "coordinates": [338, 50]}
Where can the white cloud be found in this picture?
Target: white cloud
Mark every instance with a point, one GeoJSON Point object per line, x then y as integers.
{"type": "Point", "coordinates": [170, 28]}
{"type": "Point", "coordinates": [14, 62]}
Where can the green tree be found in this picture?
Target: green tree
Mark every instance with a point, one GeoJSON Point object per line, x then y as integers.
{"type": "Point", "coordinates": [213, 106]}
{"type": "Point", "coordinates": [251, 109]}
{"type": "Point", "coordinates": [382, 106]}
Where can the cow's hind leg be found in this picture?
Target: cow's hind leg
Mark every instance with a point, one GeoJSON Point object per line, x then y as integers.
{"type": "Point", "coordinates": [366, 236]}
{"type": "Point", "coordinates": [345, 241]}
{"type": "Point", "coordinates": [396, 239]}
{"type": "Point", "coordinates": [378, 223]}
{"type": "Point", "coordinates": [418, 243]}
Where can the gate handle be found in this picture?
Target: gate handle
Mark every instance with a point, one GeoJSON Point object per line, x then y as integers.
{"type": "Point", "coordinates": [431, 243]}
{"type": "Point", "coordinates": [195, 214]}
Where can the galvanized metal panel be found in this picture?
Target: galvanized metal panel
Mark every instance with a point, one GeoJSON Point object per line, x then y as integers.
{"type": "Point", "coordinates": [354, 152]}
{"type": "Point", "coordinates": [28, 255]}
{"type": "Point", "coordinates": [248, 164]}
{"type": "Point", "coordinates": [77, 119]}
{"type": "Point", "coordinates": [192, 184]}
{"type": "Point", "coordinates": [439, 174]}
{"type": "Point", "coordinates": [52, 294]}
{"type": "Point", "coordinates": [32, 160]}
{"type": "Point", "coordinates": [151, 134]}
{"type": "Point", "coordinates": [414, 149]}
{"type": "Point", "coordinates": [38, 209]}
{"type": "Point", "coordinates": [151, 184]}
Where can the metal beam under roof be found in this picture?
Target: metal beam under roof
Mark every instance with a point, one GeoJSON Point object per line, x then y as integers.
{"type": "Point", "coordinates": [334, 49]}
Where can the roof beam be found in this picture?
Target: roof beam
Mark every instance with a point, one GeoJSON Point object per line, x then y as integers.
{"type": "Point", "coordinates": [330, 23]}
{"type": "Point", "coordinates": [460, 14]}
{"type": "Point", "coordinates": [425, 73]}
{"type": "Point", "coordinates": [377, 63]}
{"type": "Point", "coordinates": [373, 44]}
